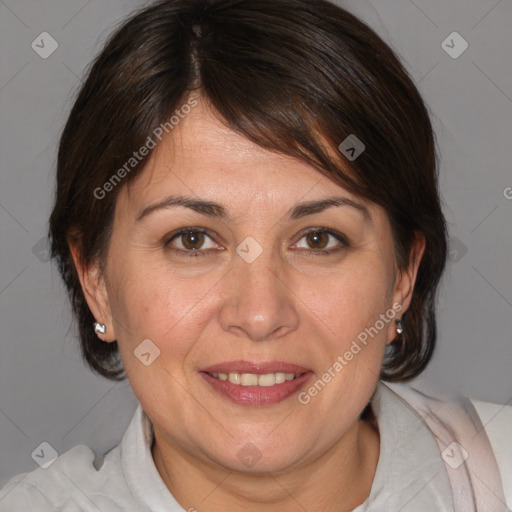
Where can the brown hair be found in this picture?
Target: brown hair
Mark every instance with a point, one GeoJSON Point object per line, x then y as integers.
{"type": "Point", "coordinates": [293, 76]}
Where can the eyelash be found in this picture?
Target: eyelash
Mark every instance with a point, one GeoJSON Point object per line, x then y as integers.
{"type": "Point", "coordinates": [200, 252]}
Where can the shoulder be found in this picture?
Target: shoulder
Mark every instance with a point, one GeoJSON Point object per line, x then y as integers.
{"type": "Point", "coordinates": [497, 421]}
{"type": "Point", "coordinates": [71, 480]}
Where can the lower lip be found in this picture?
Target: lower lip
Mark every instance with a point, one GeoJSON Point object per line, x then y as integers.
{"type": "Point", "coordinates": [256, 395]}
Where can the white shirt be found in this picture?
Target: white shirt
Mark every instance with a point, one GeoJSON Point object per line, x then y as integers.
{"type": "Point", "coordinates": [410, 475]}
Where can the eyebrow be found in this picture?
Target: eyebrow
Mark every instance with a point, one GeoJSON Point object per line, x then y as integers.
{"type": "Point", "coordinates": [216, 210]}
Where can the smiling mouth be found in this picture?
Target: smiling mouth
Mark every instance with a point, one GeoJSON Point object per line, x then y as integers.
{"type": "Point", "coordinates": [254, 379]}
{"type": "Point", "coordinates": [260, 389]}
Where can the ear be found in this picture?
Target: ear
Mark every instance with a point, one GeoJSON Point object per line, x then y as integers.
{"type": "Point", "coordinates": [405, 280]}
{"type": "Point", "coordinates": [95, 292]}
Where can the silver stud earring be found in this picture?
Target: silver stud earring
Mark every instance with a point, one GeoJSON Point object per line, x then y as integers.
{"type": "Point", "coordinates": [399, 327]}
{"type": "Point", "coordinates": [100, 328]}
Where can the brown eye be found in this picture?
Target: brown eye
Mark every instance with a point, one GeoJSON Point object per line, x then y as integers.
{"type": "Point", "coordinates": [322, 241]}
{"type": "Point", "coordinates": [193, 240]}
{"type": "Point", "coordinates": [317, 239]}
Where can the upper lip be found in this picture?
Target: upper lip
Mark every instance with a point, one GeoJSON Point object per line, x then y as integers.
{"type": "Point", "coordinates": [255, 367]}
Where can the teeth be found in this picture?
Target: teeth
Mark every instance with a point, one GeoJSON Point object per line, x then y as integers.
{"type": "Point", "coordinates": [267, 379]}
{"type": "Point", "coordinates": [248, 379]}
{"type": "Point", "coordinates": [234, 378]}
{"type": "Point", "coordinates": [252, 379]}
{"type": "Point", "coordinates": [280, 378]}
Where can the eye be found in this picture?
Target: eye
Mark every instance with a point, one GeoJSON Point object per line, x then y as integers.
{"type": "Point", "coordinates": [191, 242]}
{"type": "Point", "coordinates": [322, 241]}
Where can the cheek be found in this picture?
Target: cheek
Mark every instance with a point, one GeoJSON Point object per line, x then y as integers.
{"type": "Point", "coordinates": [350, 311]}
{"type": "Point", "coordinates": [352, 299]}
{"type": "Point", "coordinates": [154, 304]}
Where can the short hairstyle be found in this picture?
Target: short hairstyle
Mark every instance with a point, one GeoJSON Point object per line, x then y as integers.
{"type": "Point", "coordinates": [293, 76]}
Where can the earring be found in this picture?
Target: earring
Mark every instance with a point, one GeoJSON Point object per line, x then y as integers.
{"type": "Point", "coordinates": [100, 328]}
{"type": "Point", "coordinates": [399, 327]}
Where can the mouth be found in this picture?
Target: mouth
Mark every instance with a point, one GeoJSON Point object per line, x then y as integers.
{"type": "Point", "coordinates": [256, 384]}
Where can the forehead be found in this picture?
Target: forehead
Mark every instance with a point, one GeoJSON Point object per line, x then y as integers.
{"type": "Point", "coordinates": [202, 157]}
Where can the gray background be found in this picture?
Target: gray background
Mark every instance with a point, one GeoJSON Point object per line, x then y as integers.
{"type": "Point", "coordinates": [47, 394]}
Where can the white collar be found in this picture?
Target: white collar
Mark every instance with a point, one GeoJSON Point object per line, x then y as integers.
{"type": "Point", "coordinates": [140, 472]}
{"type": "Point", "coordinates": [411, 475]}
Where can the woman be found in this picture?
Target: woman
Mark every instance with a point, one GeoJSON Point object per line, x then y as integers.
{"type": "Point", "coordinates": [247, 220]}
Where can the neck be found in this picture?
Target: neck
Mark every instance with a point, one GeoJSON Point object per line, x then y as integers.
{"type": "Point", "coordinates": [337, 481]}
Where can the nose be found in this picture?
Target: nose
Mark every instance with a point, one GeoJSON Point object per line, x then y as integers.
{"type": "Point", "coordinates": [259, 303]}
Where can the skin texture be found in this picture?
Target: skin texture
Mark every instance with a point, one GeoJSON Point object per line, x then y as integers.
{"type": "Point", "coordinates": [288, 305]}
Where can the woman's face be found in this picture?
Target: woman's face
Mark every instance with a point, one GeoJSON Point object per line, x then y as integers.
{"type": "Point", "coordinates": [268, 283]}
